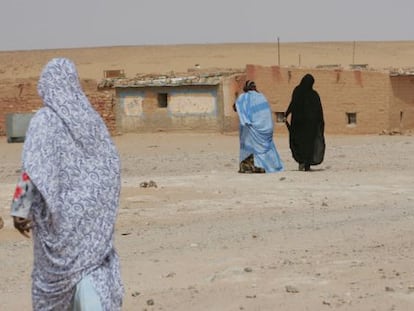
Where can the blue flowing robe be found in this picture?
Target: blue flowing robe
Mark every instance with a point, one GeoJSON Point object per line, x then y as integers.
{"type": "Point", "coordinates": [256, 132]}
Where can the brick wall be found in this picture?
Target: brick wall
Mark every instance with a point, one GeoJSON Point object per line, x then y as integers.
{"type": "Point", "coordinates": [366, 93]}
{"type": "Point", "coordinates": [381, 103]}
{"type": "Point", "coordinates": [402, 110]}
{"type": "Point", "coordinates": [20, 96]}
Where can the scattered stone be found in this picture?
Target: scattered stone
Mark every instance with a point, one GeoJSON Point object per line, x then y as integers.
{"type": "Point", "coordinates": [282, 178]}
{"type": "Point", "coordinates": [135, 294]}
{"type": "Point", "coordinates": [389, 289]}
{"type": "Point", "coordinates": [325, 302]}
{"type": "Point", "coordinates": [251, 296]}
{"type": "Point", "coordinates": [248, 269]}
{"type": "Point", "coordinates": [150, 302]}
{"type": "Point", "coordinates": [170, 275]}
{"type": "Point", "coordinates": [148, 184]}
{"type": "Point", "coordinates": [291, 289]}
{"type": "Point", "coordinates": [1, 223]}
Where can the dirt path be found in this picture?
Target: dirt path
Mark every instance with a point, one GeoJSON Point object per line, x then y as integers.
{"type": "Point", "coordinates": [207, 238]}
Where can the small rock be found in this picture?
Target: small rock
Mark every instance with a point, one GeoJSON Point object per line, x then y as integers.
{"type": "Point", "coordinates": [1, 223]}
{"type": "Point", "coordinates": [170, 275]}
{"type": "Point", "coordinates": [144, 184]}
{"type": "Point", "coordinates": [150, 302]}
{"type": "Point", "coordinates": [135, 294]}
{"type": "Point", "coordinates": [389, 289]}
{"type": "Point", "coordinates": [248, 269]}
{"type": "Point", "coordinates": [152, 184]}
{"type": "Point", "coordinates": [291, 289]}
{"type": "Point", "coordinates": [148, 184]}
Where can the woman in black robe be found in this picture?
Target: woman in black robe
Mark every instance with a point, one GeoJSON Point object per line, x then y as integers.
{"type": "Point", "coordinates": [306, 128]}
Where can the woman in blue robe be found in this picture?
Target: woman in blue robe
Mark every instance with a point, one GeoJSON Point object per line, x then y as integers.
{"type": "Point", "coordinates": [258, 152]}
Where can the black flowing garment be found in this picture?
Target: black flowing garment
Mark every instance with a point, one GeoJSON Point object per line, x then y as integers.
{"type": "Point", "coordinates": [306, 130]}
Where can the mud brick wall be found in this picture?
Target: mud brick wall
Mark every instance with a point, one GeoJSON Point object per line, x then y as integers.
{"type": "Point", "coordinates": [366, 93]}
{"type": "Point", "coordinates": [20, 96]}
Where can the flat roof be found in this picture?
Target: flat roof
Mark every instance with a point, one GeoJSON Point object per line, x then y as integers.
{"type": "Point", "coordinates": [191, 78]}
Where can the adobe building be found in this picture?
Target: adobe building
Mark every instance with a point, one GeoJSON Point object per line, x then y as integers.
{"type": "Point", "coordinates": [195, 100]}
{"type": "Point", "coordinates": [357, 101]}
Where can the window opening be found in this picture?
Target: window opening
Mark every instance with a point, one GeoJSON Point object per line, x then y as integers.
{"type": "Point", "coordinates": [162, 100]}
{"type": "Point", "coordinates": [351, 118]}
{"type": "Point", "coordinates": [280, 117]}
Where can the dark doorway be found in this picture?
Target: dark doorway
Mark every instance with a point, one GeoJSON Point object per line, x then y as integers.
{"type": "Point", "coordinates": [162, 100]}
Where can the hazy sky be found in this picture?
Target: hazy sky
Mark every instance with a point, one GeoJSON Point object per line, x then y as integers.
{"type": "Point", "coordinates": [44, 24]}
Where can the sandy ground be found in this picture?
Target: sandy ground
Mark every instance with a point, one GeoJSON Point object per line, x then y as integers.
{"type": "Point", "coordinates": [91, 62]}
{"type": "Point", "coordinates": [208, 238]}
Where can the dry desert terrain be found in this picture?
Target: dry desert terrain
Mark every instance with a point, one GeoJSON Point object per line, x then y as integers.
{"type": "Point", "coordinates": [91, 62]}
{"type": "Point", "coordinates": [207, 238]}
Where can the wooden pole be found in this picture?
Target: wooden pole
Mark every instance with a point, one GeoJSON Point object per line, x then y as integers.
{"type": "Point", "coordinates": [278, 51]}
{"type": "Point", "coordinates": [353, 54]}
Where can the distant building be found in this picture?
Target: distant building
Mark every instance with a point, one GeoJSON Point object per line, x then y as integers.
{"type": "Point", "coordinates": [356, 101]}
{"type": "Point", "coordinates": [359, 101]}
{"type": "Point", "coordinates": [189, 101]}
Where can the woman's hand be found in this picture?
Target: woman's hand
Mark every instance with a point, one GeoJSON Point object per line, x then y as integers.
{"type": "Point", "coordinates": [23, 225]}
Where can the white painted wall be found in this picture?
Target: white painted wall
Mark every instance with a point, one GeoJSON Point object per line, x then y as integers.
{"type": "Point", "coordinates": [202, 103]}
{"type": "Point", "coordinates": [132, 106]}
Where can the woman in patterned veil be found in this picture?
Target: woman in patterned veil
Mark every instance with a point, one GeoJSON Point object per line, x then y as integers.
{"type": "Point", "coordinates": [68, 196]}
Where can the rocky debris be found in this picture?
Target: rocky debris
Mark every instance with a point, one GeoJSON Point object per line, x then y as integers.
{"type": "Point", "coordinates": [291, 289]}
{"type": "Point", "coordinates": [391, 132]}
{"type": "Point", "coordinates": [326, 302]}
{"type": "Point", "coordinates": [1, 222]}
{"type": "Point", "coordinates": [148, 184]}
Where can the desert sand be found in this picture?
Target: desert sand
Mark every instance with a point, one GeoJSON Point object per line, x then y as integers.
{"type": "Point", "coordinates": [91, 62]}
{"type": "Point", "coordinates": [208, 238]}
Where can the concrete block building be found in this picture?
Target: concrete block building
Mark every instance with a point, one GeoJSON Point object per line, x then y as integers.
{"type": "Point", "coordinates": [190, 101]}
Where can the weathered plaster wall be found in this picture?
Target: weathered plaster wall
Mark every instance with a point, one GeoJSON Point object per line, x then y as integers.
{"type": "Point", "coordinates": [192, 107]}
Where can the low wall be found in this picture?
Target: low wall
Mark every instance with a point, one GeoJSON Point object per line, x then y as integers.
{"type": "Point", "coordinates": [20, 96]}
{"type": "Point", "coordinates": [365, 93]}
